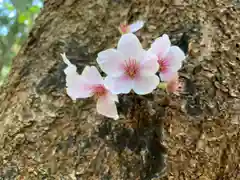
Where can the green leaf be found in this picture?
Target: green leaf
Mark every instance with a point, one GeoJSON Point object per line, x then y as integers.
{"type": "Point", "coordinates": [21, 5]}
{"type": "Point", "coordinates": [18, 27]}
{"type": "Point", "coordinates": [34, 9]}
{"type": "Point", "coordinates": [22, 17]}
{"type": "Point", "coordinates": [9, 6]}
{"type": "Point", "coordinates": [4, 20]}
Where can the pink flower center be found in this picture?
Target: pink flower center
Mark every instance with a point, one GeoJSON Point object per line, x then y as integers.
{"type": "Point", "coordinates": [99, 90]}
{"type": "Point", "coordinates": [131, 68]}
{"type": "Point", "coordinates": [163, 65]}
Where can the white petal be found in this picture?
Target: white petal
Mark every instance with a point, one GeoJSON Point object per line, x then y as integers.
{"type": "Point", "coordinates": [65, 59]}
{"type": "Point", "coordinates": [113, 97]}
{"type": "Point", "coordinates": [77, 88]}
{"type": "Point", "coordinates": [91, 75]}
{"type": "Point", "coordinates": [166, 76]}
{"type": "Point", "coordinates": [161, 46]}
{"type": "Point", "coordinates": [107, 107]}
{"type": "Point", "coordinates": [175, 56]}
{"type": "Point", "coordinates": [145, 84]}
{"type": "Point", "coordinates": [130, 47]}
{"type": "Point", "coordinates": [72, 78]}
{"type": "Point", "coordinates": [149, 66]}
{"type": "Point", "coordinates": [111, 62]}
{"type": "Point", "coordinates": [136, 26]}
{"type": "Point", "coordinates": [71, 69]}
{"type": "Point", "coordinates": [118, 85]}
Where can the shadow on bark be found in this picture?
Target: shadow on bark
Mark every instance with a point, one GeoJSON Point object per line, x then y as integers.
{"type": "Point", "coordinates": [140, 136]}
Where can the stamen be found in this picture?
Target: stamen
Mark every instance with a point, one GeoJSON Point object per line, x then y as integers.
{"type": "Point", "coordinates": [99, 90]}
{"type": "Point", "coordinates": [163, 65]}
{"type": "Point", "coordinates": [131, 68]}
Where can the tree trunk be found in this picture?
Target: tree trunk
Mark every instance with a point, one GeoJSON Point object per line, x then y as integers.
{"type": "Point", "coordinates": [45, 135]}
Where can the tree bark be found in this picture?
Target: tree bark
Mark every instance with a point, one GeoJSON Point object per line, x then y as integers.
{"type": "Point", "coordinates": [45, 135]}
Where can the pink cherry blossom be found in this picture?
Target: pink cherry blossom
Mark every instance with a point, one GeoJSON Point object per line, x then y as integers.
{"type": "Point", "coordinates": [132, 28]}
{"type": "Point", "coordinates": [173, 85]}
{"type": "Point", "coordinates": [129, 67]}
{"type": "Point", "coordinates": [169, 57]}
{"type": "Point", "coordinates": [90, 83]}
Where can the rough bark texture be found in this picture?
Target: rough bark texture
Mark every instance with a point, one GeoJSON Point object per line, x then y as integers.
{"type": "Point", "coordinates": [44, 135]}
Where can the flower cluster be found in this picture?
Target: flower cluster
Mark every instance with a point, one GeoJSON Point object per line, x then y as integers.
{"type": "Point", "coordinates": [128, 68]}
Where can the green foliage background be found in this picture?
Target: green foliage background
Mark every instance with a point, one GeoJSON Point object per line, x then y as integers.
{"type": "Point", "coordinates": [16, 19]}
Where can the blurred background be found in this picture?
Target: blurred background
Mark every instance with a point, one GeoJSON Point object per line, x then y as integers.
{"type": "Point", "coordinates": [16, 20]}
